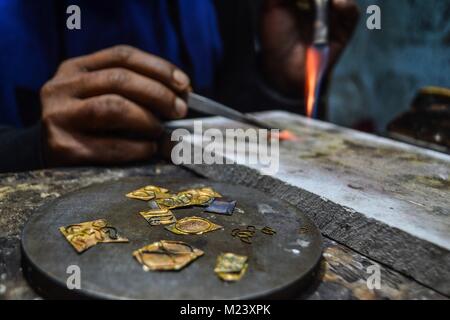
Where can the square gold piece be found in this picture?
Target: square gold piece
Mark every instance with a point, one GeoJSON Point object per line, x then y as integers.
{"type": "Point", "coordinates": [149, 193]}
{"type": "Point", "coordinates": [157, 217]}
{"type": "Point", "coordinates": [166, 255]}
{"type": "Point", "coordinates": [187, 198]}
{"type": "Point", "coordinates": [231, 267]}
{"type": "Point", "coordinates": [85, 235]}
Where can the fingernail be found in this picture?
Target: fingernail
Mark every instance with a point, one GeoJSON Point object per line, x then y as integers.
{"type": "Point", "coordinates": [180, 78]}
{"type": "Point", "coordinates": [180, 107]}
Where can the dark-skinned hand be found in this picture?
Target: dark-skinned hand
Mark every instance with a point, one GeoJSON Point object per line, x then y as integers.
{"type": "Point", "coordinates": [106, 107]}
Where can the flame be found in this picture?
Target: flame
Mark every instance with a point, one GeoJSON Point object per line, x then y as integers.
{"type": "Point", "coordinates": [284, 135]}
{"type": "Point", "coordinates": [316, 62]}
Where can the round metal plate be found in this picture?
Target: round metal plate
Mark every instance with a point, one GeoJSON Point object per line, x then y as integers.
{"type": "Point", "coordinates": [278, 264]}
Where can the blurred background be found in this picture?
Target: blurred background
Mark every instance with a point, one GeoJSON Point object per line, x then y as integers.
{"type": "Point", "coordinates": [382, 70]}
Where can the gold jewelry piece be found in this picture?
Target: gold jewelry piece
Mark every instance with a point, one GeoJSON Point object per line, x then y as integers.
{"type": "Point", "coordinates": [206, 191]}
{"type": "Point", "coordinates": [230, 266]}
{"type": "Point", "coordinates": [149, 193]}
{"type": "Point", "coordinates": [85, 235]}
{"type": "Point", "coordinates": [187, 198]}
{"type": "Point", "coordinates": [234, 232]}
{"type": "Point", "coordinates": [244, 235]}
{"type": "Point", "coordinates": [158, 217]}
{"type": "Point", "coordinates": [176, 201]}
{"type": "Point", "coordinates": [251, 228]}
{"type": "Point", "coordinates": [268, 230]}
{"type": "Point", "coordinates": [193, 225]}
{"type": "Point", "coordinates": [166, 255]}
{"type": "Point", "coordinates": [164, 199]}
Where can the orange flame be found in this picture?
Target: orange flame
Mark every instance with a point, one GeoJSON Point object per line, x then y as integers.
{"type": "Point", "coordinates": [316, 60]}
{"type": "Point", "coordinates": [284, 135]}
{"type": "Point", "coordinates": [312, 70]}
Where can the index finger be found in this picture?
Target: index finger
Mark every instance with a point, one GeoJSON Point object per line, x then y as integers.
{"type": "Point", "coordinates": [146, 64]}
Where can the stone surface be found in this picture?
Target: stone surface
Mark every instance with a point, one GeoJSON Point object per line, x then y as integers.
{"type": "Point", "coordinates": [388, 200]}
{"type": "Point", "coordinates": [277, 264]}
{"type": "Point", "coordinates": [343, 272]}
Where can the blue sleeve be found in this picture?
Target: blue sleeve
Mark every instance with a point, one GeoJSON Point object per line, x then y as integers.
{"type": "Point", "coordinates": [29, 51]}
{"type": "Point", "coordinates": [20, 149]}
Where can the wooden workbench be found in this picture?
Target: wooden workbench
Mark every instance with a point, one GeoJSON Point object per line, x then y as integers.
{"type": "Point", "coordinates": [342, 275]}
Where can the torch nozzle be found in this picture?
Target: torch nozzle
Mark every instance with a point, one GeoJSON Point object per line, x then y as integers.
{"type": "Point", "coordinates": [320, 36]}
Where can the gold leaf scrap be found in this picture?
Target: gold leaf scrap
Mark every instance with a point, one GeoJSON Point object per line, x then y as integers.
{"type": "Point", "coordinates": [156, 217]}
{"type": "Point", "coordinates": [85, 235]}
{"type": "Point", "coordinates": [149, 193]}
{"type": "Point", "coordinates": [231, 267]}
{"type": "Point", "coordinates": [166, 255]}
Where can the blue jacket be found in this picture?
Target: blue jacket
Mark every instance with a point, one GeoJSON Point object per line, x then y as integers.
{"type": "Point", "coordinates": [34, 39]}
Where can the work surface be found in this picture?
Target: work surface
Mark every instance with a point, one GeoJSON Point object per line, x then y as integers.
{"type": "Point", "coordinates": [342, 275]}
{"type": "Point", "coordinates": [278, 263]}
{"type": "Point", "coordinates": [386, 199]}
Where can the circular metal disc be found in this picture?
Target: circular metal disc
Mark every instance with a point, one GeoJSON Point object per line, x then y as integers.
{"type": "Point", "coordinates": [278, 264]}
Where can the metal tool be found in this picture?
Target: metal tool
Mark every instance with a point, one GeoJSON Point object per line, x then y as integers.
{"type": "Point", "coordinates": [320, 34]}
{"type": "Point", "coordinates": [207, 106]}
{"type": "Point", "coordinates": [317, 58]}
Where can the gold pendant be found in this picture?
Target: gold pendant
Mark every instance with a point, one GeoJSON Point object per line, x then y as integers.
{"type": "Point", "coordinates": [205, 191]}
{"type": "Point", "coordinates": [166, 255]}
{"type": "Point", "coordinates": [149, 193]}
{"type": "Point", "coordinates": [231, 267]}
{"type": "Point", "coordinates": [187, 198]}
{"type": "Point", "coordinates": [176, 201]}
{"type": "Point", "coordinates": [158, 217]}
{"type": "Point", "coordinates": [245, 235]}
{"type": "Point", "coordinates": [193, 225]}
{"type": "Point", "coordinates": [85, 235]}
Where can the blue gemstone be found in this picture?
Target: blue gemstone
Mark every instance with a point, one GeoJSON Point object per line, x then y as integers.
{"type": "Point", "coordinates": [221, 207]}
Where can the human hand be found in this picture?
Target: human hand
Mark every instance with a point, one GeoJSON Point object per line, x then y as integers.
{"type": "Point", "coordinates": [106, 107]}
